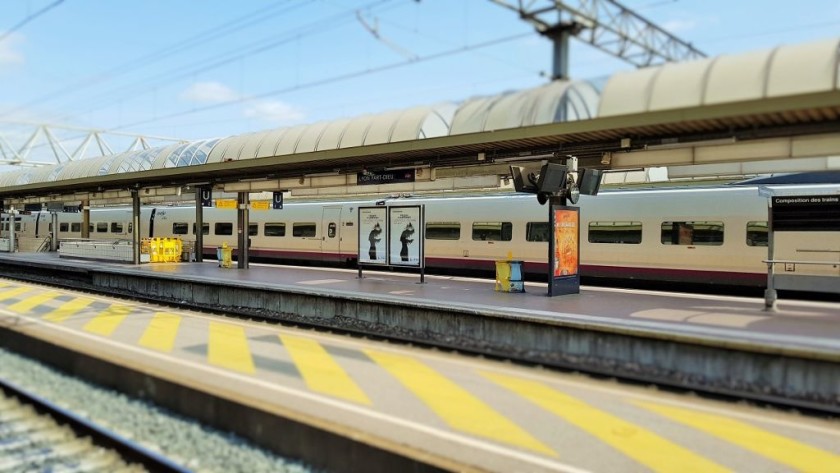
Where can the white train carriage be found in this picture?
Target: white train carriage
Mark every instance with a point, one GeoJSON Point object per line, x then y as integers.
{"type": "Point", "coordinates": [714, 235]}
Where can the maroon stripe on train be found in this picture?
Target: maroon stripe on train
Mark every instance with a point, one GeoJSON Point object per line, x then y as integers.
{"type": "Point", "coordinates": [596, 271]}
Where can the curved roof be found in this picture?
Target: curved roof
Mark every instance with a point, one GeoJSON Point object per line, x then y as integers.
{"type": "Point", "coordinates": [176, 155]}
{"type": "Point", "coordinates": [557, 101]}
{"type": "Point", "coordinates": [782, 71]}
{"type": "Point", "coordinates": [786, 71]}
{"type": "Point", "coordinates": [399, 125]}
{"type": "Point", "coordinates": [554, 102]}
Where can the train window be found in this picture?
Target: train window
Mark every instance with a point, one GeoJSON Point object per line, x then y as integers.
{"type": "Point", "coordinates": [223, 228]}
{"type": "Point", "coordinates": [90, 228]}
{"type": "Point", "coordinates": [205, 228]}
{"type": "Point", "coordinates": [443, 231]}
{"type": "Point", "coordinates": [331, 229]}
{"type": "Point", "coordinates": [303, 229]}
{"type": "Point", "coordinates": [130, 227]}
{"type": "Point", "coordinates": [101, 227]}
{"type": "Point", "coordinates": [615, 232]}
{"type": "Point", "coordinates": [180, 228]}
{"type": "Point", "coordinates": [76, 227]}
{"type": "Point", "coordinates": [253, 229]}
{"type": "Point", "coordinates": [492, 231]}
{"type": "Point", "coordinates": [116, 227]}
{"type": "Point", "coordinates": [757, 233]}
{"type": "Point", "coordinates": [18, 225]}
{"type": "Point", "coordinates": [63, 227]}
{"type": "Point", "coordinates": [692, 233]}
{"type": "Point", "coordinates": [537, 231]}
{"type": "Point", "coordinates": [275, 229]}
{"type": "Point", "coordinates": [49, 228]}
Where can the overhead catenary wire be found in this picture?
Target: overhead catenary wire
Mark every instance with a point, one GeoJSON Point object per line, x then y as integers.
{"type": "Point", "coordinates": [148, 84]}
{"type": "Point", "coordinates": [224, 29]}
{"type": "Point", "coordinates": [29, 18]}
{"type": "Point", "coordinates": [330, 80]}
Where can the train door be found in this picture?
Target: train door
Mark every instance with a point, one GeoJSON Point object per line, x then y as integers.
{"type": "Point", "coordinates": [331, 233]}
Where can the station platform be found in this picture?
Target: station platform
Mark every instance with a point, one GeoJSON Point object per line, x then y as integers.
{"type": "Point", "coordinates": [719, 344]}
{"type": "Point", "coordinates": [795, 324]}
{"type": "Point", "coordinates": [439, 413]}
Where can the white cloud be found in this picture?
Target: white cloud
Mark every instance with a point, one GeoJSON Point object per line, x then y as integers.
{"type": "Point", "coordinates": [209, 92]}
{"type": "Point", "coordinates": [8, 54]}
{"type": "Point", "coordinates": [273, 111]}
{"type": "Point", "coordinates": [679, 26]}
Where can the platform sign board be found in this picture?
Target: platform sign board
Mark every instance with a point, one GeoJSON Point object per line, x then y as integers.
{"type": "Point", "coordinates": [206, 196]}
{"type": "Point", "coordinates": [226, 204]}
{"type": "Point", "coordinates": [564, 251]}
{"type": "Point", "coordinates": [260, 205]}
{"type": "Point", "coordinates": [277, 200]}
{"type": "Point", "coordinates": [405, 243]}
{"type": "Point", "coordinates": [395, 176]}
{"type": "Point", "coordinates": [806, 213]}
{"type": "Point", "coordinates": [373, 235]}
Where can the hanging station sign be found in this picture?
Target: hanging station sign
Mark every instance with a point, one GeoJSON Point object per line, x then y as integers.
{"type": "Point", "coordinates": [396, 176]}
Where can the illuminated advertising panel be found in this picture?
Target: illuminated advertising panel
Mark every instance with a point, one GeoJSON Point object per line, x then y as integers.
{"type": "Point", "coordinates": [405, 244]}
{"type": "Point", "coordinates": [564, 251]}
{"type": "Point", "coordinates": [565, 242]}
{"type": "Point", "coordinates": [373, 235]}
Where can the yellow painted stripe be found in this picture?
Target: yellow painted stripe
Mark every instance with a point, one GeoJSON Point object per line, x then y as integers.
{"type": "Point", "coordinates": [11, 293]}
{"type": "Point", "coordinates": [68, 309]}
{"type": "Point", "coordinates": [789, 452]}
{"type": "Point", "coordinates": [105, 322]}
{"type": "Point", "coordinates": [228, 348]}
{"type": "Point", "coordinates": [320, 371]}
{"type": "Point", "coordinates": [641, 445]}
{"type": "Point", "coordinates": [457, 407]}
{"type": "Point", "coordinates": [31, 302]}
{"type": "Point", "coordinates": [161, 331]}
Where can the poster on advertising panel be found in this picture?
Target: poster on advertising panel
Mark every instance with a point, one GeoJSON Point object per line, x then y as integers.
{"type": "Point", "coordinates": [564, 251]}
{"type": "Point", "coordinates": [373, 235]}
{"type": "Point", "coordinates": [565, 242]}
{"type": "Point", "coordinates": [405, 244]}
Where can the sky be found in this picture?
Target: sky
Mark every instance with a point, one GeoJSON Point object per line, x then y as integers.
{"type": "Point", "coordinates": [190, 69]}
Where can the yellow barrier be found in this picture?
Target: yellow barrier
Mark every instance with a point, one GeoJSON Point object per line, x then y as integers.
{"type": "Point", "coordinates": [162, 250]}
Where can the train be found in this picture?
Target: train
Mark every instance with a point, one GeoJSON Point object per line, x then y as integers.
{"type": "Point", "coordinates": [705, 235]}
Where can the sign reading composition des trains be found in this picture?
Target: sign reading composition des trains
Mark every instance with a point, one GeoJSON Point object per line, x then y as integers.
{"type": "Point", "coordinates": [806, 213]}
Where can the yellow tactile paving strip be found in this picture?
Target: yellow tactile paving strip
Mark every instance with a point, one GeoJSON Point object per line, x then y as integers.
{"type": "Point", "coordinates": [452, 402]}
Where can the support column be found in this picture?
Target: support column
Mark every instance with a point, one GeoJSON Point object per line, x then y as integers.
{"type": "Point", "coordinates": [135, 226]}
{"type": "Point", "coordinates": [242, 229]}
{"type": "Point", "coordinates": [12, 218]}
{"type": "Point", "coordinates": [199, 225]}
{"type": "Point", "coordinates": [85, 219]}
{"type": "Point", "coordinates": [54, 236]}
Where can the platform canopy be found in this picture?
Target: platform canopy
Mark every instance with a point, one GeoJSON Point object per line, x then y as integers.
{"type": "Point", "coordinates": [775, 104]}
{"type": "Point", "coordinates": [555, 102]}
{"type": "Point", "coordinates": [782, 71]}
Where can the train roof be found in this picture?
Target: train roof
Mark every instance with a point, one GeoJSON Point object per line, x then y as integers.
{"type": "Point", "coordinates": [815, 177]}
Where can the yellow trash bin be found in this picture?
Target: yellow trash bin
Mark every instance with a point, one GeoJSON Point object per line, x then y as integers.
{"type": "Point", "coordinates": [223, 254]}
{"type": "Point", "coordinates": [509, 276]}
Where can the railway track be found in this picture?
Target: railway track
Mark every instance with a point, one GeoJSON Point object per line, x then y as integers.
{"type": "Point", "coordinates": [38, 435]}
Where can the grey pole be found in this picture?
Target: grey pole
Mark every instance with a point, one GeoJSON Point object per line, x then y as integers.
{"type": "Point", "coordinates": [135, 218]}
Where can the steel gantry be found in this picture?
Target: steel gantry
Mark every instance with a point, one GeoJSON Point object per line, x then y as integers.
{"type": "Point", "coordinates": [604, 24]}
